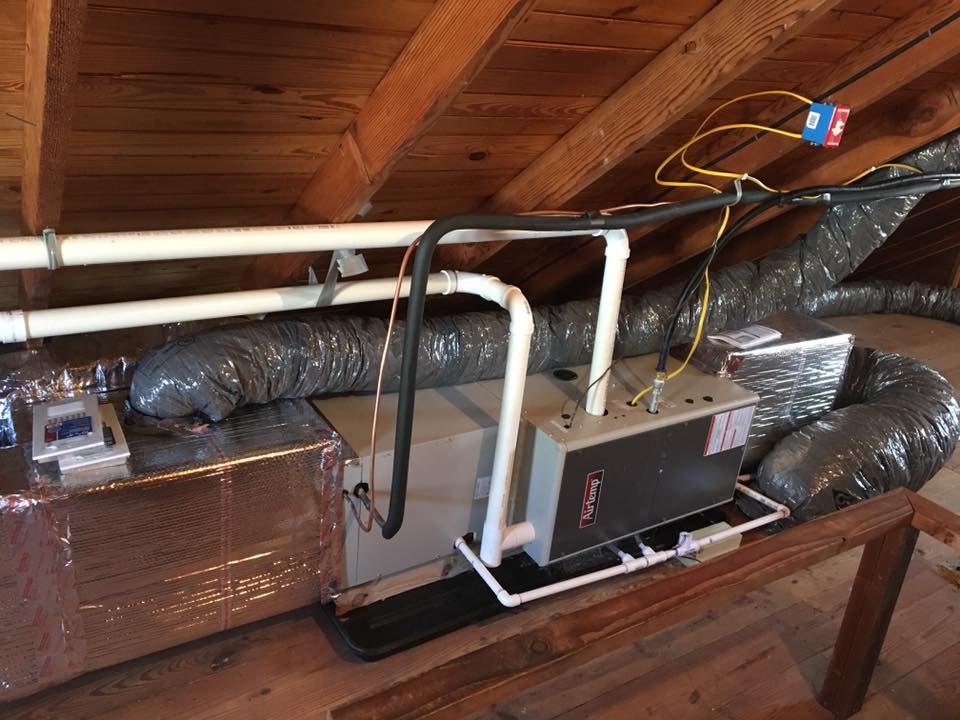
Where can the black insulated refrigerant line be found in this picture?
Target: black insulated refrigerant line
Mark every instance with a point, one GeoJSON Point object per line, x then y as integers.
{"type": "Point", "coordinates": [822, 195]}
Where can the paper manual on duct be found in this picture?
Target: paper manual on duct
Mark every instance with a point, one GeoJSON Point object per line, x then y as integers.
{"type": "Point", "coordinates": [746, 338]}
{"type": "Point", "coordinates": [113, 452]}
{"type": "Point", "coordinates": [78, 433]}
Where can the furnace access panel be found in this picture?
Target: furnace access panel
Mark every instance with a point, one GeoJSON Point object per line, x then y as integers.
{"type": "Point", "coordinates": [593, 480]}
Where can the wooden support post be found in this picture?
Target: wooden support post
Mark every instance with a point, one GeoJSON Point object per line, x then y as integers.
{"type": "Point", "coordinates": [53, 34]}
{"type": "Point", "coordinates": [869, 609]}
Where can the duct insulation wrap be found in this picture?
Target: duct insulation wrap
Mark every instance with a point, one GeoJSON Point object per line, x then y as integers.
{"type": "Point", "coordinates": [75, 365]}
{"type": "Point", "coordinates": [898, 425]}
{"type": "Point", "coordinates": [214, 372]}
{"type": "Point", "coordinates": [203, 528]}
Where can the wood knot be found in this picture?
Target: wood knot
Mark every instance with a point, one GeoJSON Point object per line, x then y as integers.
{"type": "Point", "coordinates": [539, 647]}
{"type": "Point", "coordinates": [221, 661]}
{"type": "Point", "coordinates": [690, 46]}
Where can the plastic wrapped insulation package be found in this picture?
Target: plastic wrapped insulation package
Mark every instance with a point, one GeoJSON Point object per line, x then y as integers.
{"type": "Point", "coordinates": [213, 372]}
{"type": "Point", "coordinates": [202, 529]}
{"type": "Point", "coordinates": [898, 424]}
{"type": "Point", "coordinates": [797, 376]}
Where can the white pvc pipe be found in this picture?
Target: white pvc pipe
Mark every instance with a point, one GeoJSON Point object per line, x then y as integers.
{"type": "Point", "coordinates": [628, 563]}
{"type": "Point", "coordinates": [30, 251]}
{"type": "Point", "coordinates": [608, 314]}
{"type": "Point", "coordinates": [20, 325]}
{"type": "Point", "coordinates": [497, 536]}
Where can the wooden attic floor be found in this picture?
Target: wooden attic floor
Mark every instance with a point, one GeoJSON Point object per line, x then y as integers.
{"type": "Point", "coordinates": [762, 656]}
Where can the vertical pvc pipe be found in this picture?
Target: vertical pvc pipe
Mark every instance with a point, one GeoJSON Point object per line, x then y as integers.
{"type": "Point", "coordinates": [608, 314]}
{"type": "Point", "coordinates": [497, 536]}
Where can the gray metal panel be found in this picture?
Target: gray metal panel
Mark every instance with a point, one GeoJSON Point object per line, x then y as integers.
{"type": "Point", "coordinates": [543, 465]}
{"type": "Point", "coordinates": [546, 398]}
{"type": "Point", "coordinates": [454, 435]}
{"type": "Point", "coordinates": [655, 467]}
{"type": "Point", "coordinates": [689, 479]}
{"type": "Point", "coordinates": [624, 504]}
{"type": "Point", "coordinates": [649, 478]}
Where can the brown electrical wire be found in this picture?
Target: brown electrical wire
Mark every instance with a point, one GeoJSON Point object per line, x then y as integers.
{"type": "Point", "coordinates": [372, 509]}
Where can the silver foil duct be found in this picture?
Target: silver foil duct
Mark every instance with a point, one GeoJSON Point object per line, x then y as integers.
{"type": "Point", "coordinates": [898, 424]}
{"type": "Point", "coordinates": [797, 376]}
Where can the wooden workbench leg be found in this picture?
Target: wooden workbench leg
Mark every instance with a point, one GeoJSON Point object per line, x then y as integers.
{"type": "Point", "coordinates": [869, 609]}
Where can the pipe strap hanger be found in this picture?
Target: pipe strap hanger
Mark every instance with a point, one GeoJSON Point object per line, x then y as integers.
{"type": "Point", "coordinates": [54, 255]}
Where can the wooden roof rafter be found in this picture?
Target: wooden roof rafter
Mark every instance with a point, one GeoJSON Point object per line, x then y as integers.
{"type": "Point", "coordinates": [448, 49]}
{"type": "Point", "coordinates": [874, 75]}
{"type": "Point", "coordinates": [714, 51]}
{"type": "Point", "coordinates": [53, 38]}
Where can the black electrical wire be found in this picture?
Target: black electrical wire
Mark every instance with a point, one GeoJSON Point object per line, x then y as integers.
{"type": "Point", "coordinates": [824, 195]}
{"type": "Point", "coordinates": [697, 277]}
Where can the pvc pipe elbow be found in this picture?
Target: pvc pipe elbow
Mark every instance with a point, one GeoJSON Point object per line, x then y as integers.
{"type": "Point", "coordinates": [516, 535]}
{"type": "Point", "coordinates": [509, 297]}
{"type": "Point", "coordinates": [618, 245]}
{"type": "Point", "coordinates": [507, 599]}
{"type": "Point", "coordinates": [521, 317]}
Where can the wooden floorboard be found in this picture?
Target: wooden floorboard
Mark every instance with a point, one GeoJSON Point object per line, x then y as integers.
{"type": "Point", "coordinates": [761, 656]}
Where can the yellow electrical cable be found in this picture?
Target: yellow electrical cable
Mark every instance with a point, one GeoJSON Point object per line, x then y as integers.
{"type": "Point", "coordinates": [761, 93]}
{"type": "Point", "coordinates": [700, 136]}
{"type": "Point", "coordinates": [716, 110]}
{"type": "Point", "coordinates": [693, 346]}
{"type": "Point", "coordinates": [894, 165]}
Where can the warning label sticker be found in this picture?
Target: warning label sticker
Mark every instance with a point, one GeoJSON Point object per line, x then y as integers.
{"type": "Point", "coordinates": [728, 430]}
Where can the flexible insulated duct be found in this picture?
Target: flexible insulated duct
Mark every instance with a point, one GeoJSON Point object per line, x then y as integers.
{"type": "Point", "coordinates": [212, 373]}
{"type": "Point", "coordinates": [865, 298]}
{"type": "Point", "coordinates": [898, 423]}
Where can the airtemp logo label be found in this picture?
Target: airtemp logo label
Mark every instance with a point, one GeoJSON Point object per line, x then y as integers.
{"type": "Point", "coordinates": [591, 499]}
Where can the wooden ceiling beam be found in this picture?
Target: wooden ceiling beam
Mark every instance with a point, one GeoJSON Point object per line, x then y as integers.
{"type": "Point", "coordinates": [891, 134]}
{"type": "Point", "coordinates": [879, 74]}
{"type": "Point", "coordinates": [53, 36]}
{"type": "Point", "coordinates": [714, 51]}
{"type": "Point", "coordinates": [446, 52]}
